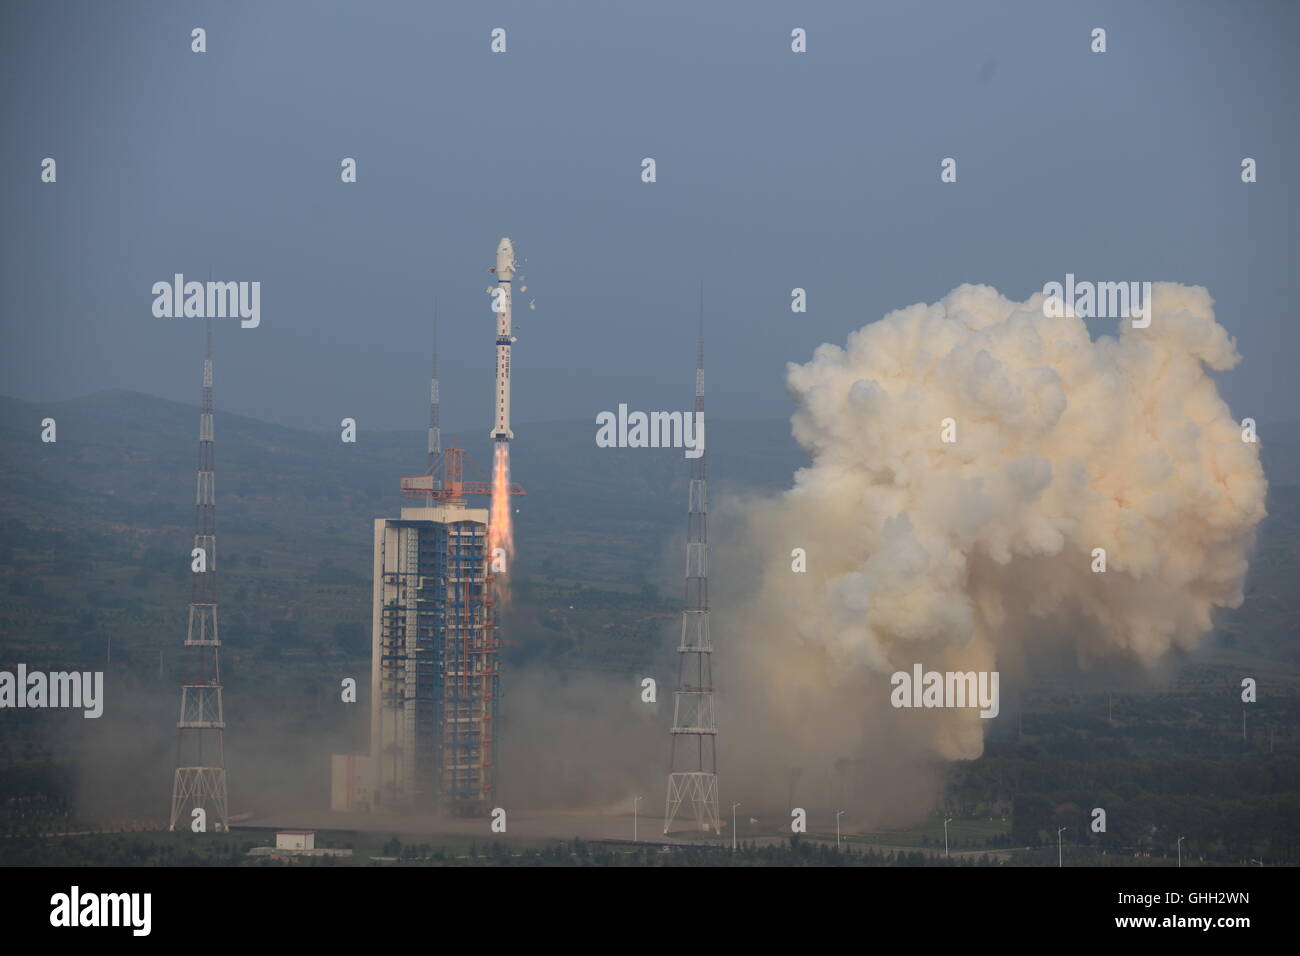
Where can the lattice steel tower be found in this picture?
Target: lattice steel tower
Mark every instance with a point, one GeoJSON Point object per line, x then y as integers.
{"type": "Point", "coordinates": [200, 779]}
{"type": "Point", "coordinates": [436, 463]}
{"type": "Point", "coordinates": [693, 765]}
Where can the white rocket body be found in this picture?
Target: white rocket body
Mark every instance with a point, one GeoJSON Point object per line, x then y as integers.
{"type": "Point", "coordinates": [501, 303]}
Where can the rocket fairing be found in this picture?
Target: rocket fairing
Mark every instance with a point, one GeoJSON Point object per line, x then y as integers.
{"type": "Point", "coordinates": [505, 271]}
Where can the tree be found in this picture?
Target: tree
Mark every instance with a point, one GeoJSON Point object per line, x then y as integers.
{"type": "Point", "coordinates": [284, 632]}
{"type": "Point", "coordinates": [351, 638]}
{"type": "Point", "coordinates": [1030, 814]}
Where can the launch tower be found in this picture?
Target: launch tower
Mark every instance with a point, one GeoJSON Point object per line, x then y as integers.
{"type": "Point", "coordinates": [435, 672]}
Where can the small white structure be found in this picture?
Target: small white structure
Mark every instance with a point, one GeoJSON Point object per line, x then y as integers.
{"type": "Point", "coordinates": [290, 844]}
{"type": "Point", "coordinates": [295, 840]}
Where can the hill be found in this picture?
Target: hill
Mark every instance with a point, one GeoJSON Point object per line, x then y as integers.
{"type": "Point", "coordinates": [95, 533]}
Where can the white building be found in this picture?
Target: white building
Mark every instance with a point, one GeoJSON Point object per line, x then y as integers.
{"type": "Point", "coordinates": [295, 840]}
{"type": "Point", "coordinates": [434, 674]}
{"type": "Point", "coordinates": [433, 678]}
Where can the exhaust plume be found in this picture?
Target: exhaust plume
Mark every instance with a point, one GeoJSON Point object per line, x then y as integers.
{"type": "Point", "coordinates": [501, 538]}
{"type": "Point", "coordinates": [977, 554]}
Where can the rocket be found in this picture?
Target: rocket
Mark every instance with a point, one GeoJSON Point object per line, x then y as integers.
{"type": "Point", "coordinates": [505, 271]}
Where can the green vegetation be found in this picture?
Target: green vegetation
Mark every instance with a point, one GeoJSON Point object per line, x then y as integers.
{"type": "Point", "coordinates": [232, 850]}
{"type": "Point", "coordinates": [95, 533]}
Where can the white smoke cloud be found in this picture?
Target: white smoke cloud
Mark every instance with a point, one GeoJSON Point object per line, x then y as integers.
{"type": "Point", "coordinates": [966, 555]}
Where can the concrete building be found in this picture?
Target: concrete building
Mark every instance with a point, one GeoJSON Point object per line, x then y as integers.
{"type": "Point", "coordinates": [435, 681]}
{"type": "Point", "coordinates": [434, 678]}
{"type": "Point", "coordinates": [295, 840]}
{"type": "Point", "coordinates": [352, 783]}
{"type": "Point", "coordinates": [296, 843]}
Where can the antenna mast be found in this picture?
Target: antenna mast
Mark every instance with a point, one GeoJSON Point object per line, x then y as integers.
{"type": "Point", "coordinates": [693, 765]}
{"type": "Point", "coordinates": [200, 779]}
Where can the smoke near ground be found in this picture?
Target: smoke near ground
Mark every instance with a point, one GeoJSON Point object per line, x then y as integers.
{"type": "Point", "coordinates": [582, 741]}
{"type": "Point", "coordinates": [278, 743]}
{"type": "Point", "coordinates": [975, 554]}
{"type": "Point", "coordinates": [970, 555]}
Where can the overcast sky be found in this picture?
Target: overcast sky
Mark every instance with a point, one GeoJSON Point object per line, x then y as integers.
{"type": "Point", "coordinates": [775, 170]}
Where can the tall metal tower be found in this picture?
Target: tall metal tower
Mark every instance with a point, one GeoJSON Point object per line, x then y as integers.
{"type": "Point", "coordinates": [200, 780]}
{"type": "Point", "coordinates": [435, 416]}
{"type": "Point", "coordinates": [693, 765]}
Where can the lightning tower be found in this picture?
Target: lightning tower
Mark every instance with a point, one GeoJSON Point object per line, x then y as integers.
{"type": "Point", "coordinates": [435, 416]}
{"type": "Point", "coordinates": [693, 765]}
{"type": "Point", "coordinates": [200, 780]}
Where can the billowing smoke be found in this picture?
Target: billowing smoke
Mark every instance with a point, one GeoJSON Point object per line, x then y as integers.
{"type": "Point", "coordinates": [978, 553]}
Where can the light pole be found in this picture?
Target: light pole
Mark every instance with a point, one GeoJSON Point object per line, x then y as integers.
{"type": "Point", "coordinates": [838, 814]}
{"type": "Point", "coordinates": [1059, 858]}
{"type": "Point", "coordinates": [634, 803]}
{"type": "Point", "coordinates": [733, 826]}
{"type": "Point", "coordinates": [945, 836]}
{"type": "Point", "coordinates": [1180, 851]}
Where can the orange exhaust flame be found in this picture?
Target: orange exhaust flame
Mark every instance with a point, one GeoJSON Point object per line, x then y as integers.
{"type": "Point", "coordinates": [500, 534]}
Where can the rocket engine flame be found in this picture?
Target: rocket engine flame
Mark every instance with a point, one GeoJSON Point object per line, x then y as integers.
{"type": "Point", "coordinates": [501, 541]}
{"type": "Point", "coordinates": [500, 534]}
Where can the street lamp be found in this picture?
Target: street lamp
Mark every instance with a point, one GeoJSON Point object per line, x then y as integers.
{"type": "Point", "coordinates": [1180, 850]}
{"type": "Point", "coordinates": [838, 814]}
{"type": "Point", "coordinates": [1059, 862]}
{"type": "Point", "coordinates": [945, 836]}
{"type": "Point", "coordinates": [733, 825]}
{"type": "Point", "coordinates": [634, 803]}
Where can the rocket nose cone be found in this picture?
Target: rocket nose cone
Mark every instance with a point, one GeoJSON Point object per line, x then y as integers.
{"type": "Point", "coordinates": [506, 257]}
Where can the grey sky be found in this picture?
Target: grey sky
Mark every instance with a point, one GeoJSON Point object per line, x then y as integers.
{"type": "Point", "coordinates": [775, 170]}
